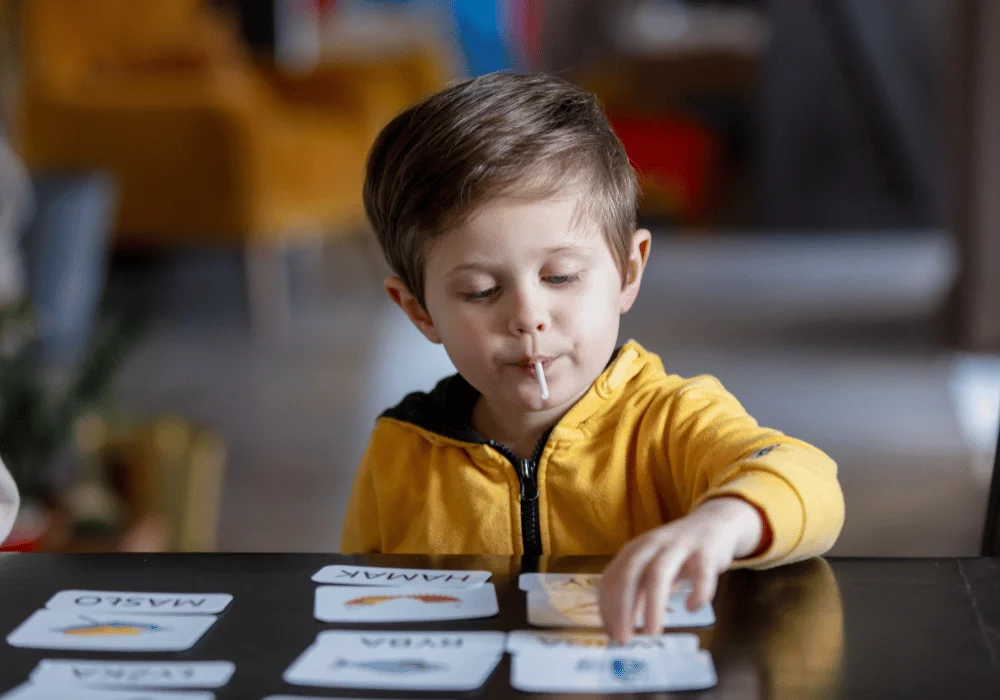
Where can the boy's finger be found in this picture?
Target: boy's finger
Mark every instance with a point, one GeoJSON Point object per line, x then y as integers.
{"type": "Point", "coordinates": [667, 566]}
{"type": "Point", "coordinates": [618, 590]}
{"type": "Point", "coordinates": [612, 600]}
{"type": "Point", "coordinates": [704, 579]}
{"type": "Point", "coordinates": [658, 587]}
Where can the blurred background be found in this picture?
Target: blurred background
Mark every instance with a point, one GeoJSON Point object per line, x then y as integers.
{"type": "Point", "coordinates": [194, 340]}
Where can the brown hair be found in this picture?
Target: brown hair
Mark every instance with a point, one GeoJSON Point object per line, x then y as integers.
{"type": "Point", "coordinates": [486, 138]}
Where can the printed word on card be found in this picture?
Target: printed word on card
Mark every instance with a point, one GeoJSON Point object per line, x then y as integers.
{"type": "Point", "coordinates": [400, 661]}
{"type": "Point", "coordinates": [133, 674]}
{"type": "Point", "coordinates": [158, 603]}
{"type": "Point", "coordinates": [534, 641]}
{"type": "Point", "coordinates": [375, 576]}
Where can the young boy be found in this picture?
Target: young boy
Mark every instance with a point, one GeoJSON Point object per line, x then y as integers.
{"type": "Point", "coordinates": [506, 207]}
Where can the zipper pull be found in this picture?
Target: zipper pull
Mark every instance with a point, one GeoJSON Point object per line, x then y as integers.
{"type": "Point", "coordinates": [529, 487]}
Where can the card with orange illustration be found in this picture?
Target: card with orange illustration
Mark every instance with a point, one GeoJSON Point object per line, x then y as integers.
{"type": "Point", "coordinates": [56, 629]}
{"type": "Point", "coordinates": [412, 604]}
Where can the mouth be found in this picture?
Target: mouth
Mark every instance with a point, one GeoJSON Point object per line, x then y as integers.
{"type": "Point", "coordinates": [528, 363]}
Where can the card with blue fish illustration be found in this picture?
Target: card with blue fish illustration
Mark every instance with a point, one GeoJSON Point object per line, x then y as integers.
{"type": "Point", "coordinates": [611, 671]}
{"type": "Point", "coordinates": [330, 666]}
{"type": "Point", "coordinates": [56, 629]}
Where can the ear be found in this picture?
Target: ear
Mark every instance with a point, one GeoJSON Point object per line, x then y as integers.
{"type": "Point", "coordinates": [404, 299]}
{"type": "Point", "coordinates": [641, 241]}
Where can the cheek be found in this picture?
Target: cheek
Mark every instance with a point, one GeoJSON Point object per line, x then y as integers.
{"type": "Point", "coordinates": [593, 310]}
{"type": "Point", "coordinates": [465, 330]}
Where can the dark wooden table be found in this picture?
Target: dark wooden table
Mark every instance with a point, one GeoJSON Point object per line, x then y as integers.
{"type": "Point", "coordinates": [843, 628]}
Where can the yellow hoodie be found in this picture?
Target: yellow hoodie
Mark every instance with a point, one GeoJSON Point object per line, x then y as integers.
{"type": "Point", "coordinates": [639, 449]}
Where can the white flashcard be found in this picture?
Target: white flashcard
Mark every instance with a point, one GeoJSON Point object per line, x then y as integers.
{"type": "Point", "coordinates": [153, 603]}
{"type": "Point", "coordinates": [51, 629]}
{"type": "Point", "coordinates": [303, 697]}
{"type": "Point", "coordinates": [379, 576]}
{"type": "Point", "coordinates": [582, 610]}
{"type": "Point", "coordinates": [559, 582]}
{"type": "Point", "coordinates": [354, 642]}
{"type": "Point", "coordinates": [567, 583]}
{"type": "Point", "coordinates": [133, 674]}
{"type": "Point", "coordinates": [536, 640]}
{"type": "Point", "coordinates": [379, 604]}
{"type": "Point", "coordinates": [329, 666]}
{"type": "Point", "coordinates": [35, 691]}
{"type": "Point", "coordinates": [611, 671]}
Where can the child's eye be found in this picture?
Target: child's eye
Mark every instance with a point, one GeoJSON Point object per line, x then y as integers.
{"type": "Point", "coordinates": [561, 279]}
{"type": "Point", "coordinates": [480, 296]}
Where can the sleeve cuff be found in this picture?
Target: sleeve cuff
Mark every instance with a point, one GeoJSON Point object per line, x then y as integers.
{"type": "Point", "coordinates": [780, 507]}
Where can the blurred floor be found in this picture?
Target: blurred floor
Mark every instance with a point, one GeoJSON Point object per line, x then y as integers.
{"type": "Point", "coordinates": [833, 340]}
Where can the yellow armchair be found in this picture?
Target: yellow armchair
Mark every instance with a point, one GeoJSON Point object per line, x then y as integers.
{"type": "Point", "coordinates": [205, 145]}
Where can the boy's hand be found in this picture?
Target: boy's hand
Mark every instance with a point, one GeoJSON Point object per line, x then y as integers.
{"type": "Point", "coordinates": [697, 547]}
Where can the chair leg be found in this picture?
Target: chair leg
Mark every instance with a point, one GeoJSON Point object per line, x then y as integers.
{"type": "Point", "coordinates": [268, 288]}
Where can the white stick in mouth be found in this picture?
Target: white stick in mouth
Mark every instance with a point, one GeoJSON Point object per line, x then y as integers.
{"type": "Point", "coordinates": [540, 375]}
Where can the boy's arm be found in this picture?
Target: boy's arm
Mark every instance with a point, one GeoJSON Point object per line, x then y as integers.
{"type": "Point", "coordinates": [9, 501]}
{"type": "Point", "coordinates": [361, 532]}
{"type": "Point", "coordinates": [714, 448]}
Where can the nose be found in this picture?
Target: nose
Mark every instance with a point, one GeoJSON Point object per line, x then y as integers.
{"type": "Point", "coordinates": [529, 314]}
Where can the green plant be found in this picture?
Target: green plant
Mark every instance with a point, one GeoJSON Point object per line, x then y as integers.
{"type": "Point", "coordinates": [39, 407]}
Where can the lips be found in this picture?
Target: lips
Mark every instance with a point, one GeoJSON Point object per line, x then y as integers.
{"type": "Point", "coordinates": [530, 362]}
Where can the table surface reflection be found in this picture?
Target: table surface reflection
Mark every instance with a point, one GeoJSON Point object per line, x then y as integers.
{"type": "Point", "coordinates": [837, 628]}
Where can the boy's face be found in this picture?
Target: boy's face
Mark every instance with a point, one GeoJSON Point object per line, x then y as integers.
{"type": "Point", "coordinates": [522, 281]}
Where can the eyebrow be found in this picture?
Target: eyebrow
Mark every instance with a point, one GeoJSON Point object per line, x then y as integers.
{"type": "Point", "coordinates": [483, 267]}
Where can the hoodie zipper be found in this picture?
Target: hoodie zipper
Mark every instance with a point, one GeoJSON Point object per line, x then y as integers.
{"type": "Point", "coordinates": [527, 476]}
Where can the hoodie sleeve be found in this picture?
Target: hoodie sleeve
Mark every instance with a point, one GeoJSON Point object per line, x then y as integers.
{"type": "Point", "coordinates": [9, 502]}
{"type": "Point", "coordinates": [715, 448]}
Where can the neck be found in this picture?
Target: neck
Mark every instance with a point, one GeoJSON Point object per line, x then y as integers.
{"type": "Point", "coordinates": [518, 430]}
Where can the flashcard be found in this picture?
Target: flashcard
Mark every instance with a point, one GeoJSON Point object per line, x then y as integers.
{"type": "Point", "coordinates": [133, 674]}
{"type": "Point", "coordinates": [410, 604]}
{"type": "Point", "coordinates": [34, 691]}
{"type": "Point", "coordinates": [354, 641]}
{"type": "Point", "coordinates": [378, 576]}
{"type": "Point", "coordinates": [153, 603]}
{"type": "Point", "coordinates": [611, 671]}
{"type": "Point", "coordinates": [535, 640]}
{"type": "Point", "coordinates": [328, 665]}
{"type": "Point", "coordinates": [52, 629]}
{"type": "Point", "coordinates": [582, 610]}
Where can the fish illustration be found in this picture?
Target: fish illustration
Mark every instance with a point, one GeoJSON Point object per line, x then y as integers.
{"type": "Point", "coordinates": [115, 628]}
{"type": "Point", "coordinates": [627, 669]}
{"type": "Point", "coordinates": [394, 666]}
{"type": "Point", "coordinates": [624, 670]}
{"type": "Point", "coordinates": [422, 597]}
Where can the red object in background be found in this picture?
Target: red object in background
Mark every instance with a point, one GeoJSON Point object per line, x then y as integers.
{"type": "Point", "coordinates": [29, 530]}
{"type": "Point", "coordinates": [526, 22]}
{"type": "Point", "coordinates": [322, 7]}
{"type": "Point", "coordinates": [676, 158]}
